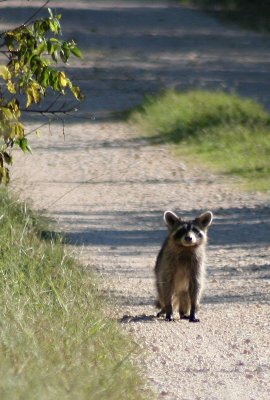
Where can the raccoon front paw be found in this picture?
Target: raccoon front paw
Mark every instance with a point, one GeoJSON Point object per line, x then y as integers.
{"type": "Point", "coordinates": [194, 319]}
{"type": "Point", "coordinates": [169, 317]}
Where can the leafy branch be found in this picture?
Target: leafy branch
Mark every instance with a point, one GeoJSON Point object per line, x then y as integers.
{"type": "Point", "coordinates": [32, 51]}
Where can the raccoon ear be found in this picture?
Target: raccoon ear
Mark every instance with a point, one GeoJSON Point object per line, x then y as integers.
{"type": "Point", "coordinates": [170, 219]}
{"type": "Point", "coordinates": [205, 219]}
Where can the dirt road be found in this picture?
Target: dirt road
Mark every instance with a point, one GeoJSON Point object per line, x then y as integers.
{"type": "Point", "coordinates": [108, 190]}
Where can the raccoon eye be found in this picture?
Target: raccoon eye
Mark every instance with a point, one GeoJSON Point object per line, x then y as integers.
{"type": "Point", "coordinates": [197, 232]}
{"type": "Point", "coordinates": [179, 234]}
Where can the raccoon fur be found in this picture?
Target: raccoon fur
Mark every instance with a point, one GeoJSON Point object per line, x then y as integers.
{"type": "Point", "coordinates": [180, 266]}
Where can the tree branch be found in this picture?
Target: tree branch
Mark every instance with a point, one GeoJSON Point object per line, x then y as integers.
{"type": "Point", "coordinates": [46, 111]}
{"type": "Point", "coordinates": [8, 51]}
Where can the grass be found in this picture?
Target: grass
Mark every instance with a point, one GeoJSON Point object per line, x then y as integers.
{"type": "Point", "coordinates": [55, 340]}
{"type": "Point", "coordinates": [222, 131]}
{"type": "Point", "coordinates": [248, 14]}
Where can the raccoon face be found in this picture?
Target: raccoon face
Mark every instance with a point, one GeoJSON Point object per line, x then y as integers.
{"type": "Point", "coordinates": [188, 233]}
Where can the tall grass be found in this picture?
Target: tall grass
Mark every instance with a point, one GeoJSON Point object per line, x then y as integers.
{"type": "Point", "coordinates": [55, 341]}
{"type": "Point", "coordinates": [223, 131]}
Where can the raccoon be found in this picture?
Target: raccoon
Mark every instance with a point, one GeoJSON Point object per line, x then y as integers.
{"type": "Point", "coordinates": [180, 266]}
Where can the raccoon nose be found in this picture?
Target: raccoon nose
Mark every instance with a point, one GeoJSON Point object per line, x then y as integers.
{"type": "Point", "coordinates": [188, 238]}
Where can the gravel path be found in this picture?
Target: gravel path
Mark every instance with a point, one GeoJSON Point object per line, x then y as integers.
{"type": "Point", "coordinates": [108, 190]}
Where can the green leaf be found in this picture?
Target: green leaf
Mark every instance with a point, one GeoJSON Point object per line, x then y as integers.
{"type": "Point", "coordinates": [41, 48]}
{"type": "Point", "coordinates": [30, 98]}
{"type": "Point", "coordinates": [16, 68]}
{"type": "Point", "coordinates": [77, 92]}
{"type": "Point", "coordinates": [33, 93]}
{"type": "Point", "coordinates": [17, 131]}
{"type": "Point", "coordinates": [5, 73]}
{"type": "Point", "coordinates": [11, 87]}
{"type": "Point", "coordinates": [62, 79]}
{"type": "Point", "coordinates": [55, 56]}
{"type": "Point", "coordinates": [54, 26]}
{"type": "Point", "coordinates": [27, 56]}
{"type": "Point", "coordinates": [14, 106]}
{"type": "Point", "coordinates": [54, 40]}
{"type": "Point", "coordinates": [36, 26]}
{"type": "Point", "coordinates": [23, 144]}
{"type": "Point", "coordinates": [76, 52]}
{"type": "Point", "coordinates": [4, 175]}
{"type": "Point", "coordinates": [7, 113]}
{"type": "Point", "coordinates": [50, 12]}
{"type": "Point", "coordinates": [44, 78]}
{"type": "Point", "coordinates": [64, 54]}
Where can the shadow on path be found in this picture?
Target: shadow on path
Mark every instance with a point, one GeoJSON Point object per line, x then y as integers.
{"type": "Point", "coordinates": [134, 48]}
{"type": "Point", "coordinates": [142, 234]}
{"type": "Point", "coordinates": [234, 227]}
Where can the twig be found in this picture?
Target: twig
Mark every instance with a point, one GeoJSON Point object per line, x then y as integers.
{"type": "Point", "coordinates": [25, 23]}
{"type": "Point", "coordinates": [54, 101]}
{"type": "Point", "coordinates": [8, 51]}
{"type": "Point", "coordinates": [44, 112]}
{"type": "Point", "coordinates": [35, 13]}
{"type": "Point", "coordinates": [35, 129]}
{"type": "Point", "coordinates": [101, 175]}
{"type": "Point", "coordinates": [63, 127]}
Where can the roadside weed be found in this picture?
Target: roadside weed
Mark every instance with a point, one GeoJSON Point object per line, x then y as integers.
{"type": "Point", "coordinates": [56, 342]}
{"type": "Point", "coordinates": [223, 131]}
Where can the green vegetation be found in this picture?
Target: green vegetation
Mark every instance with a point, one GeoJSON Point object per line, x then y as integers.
{"type": "Point", "coordinates": [28, 76]}
{"type": "Point", "coordinates": [56, 342]}
{"type": "Point", "coordinates": [223, 131]}
{"type": "Point", "coordinates": [249, 14]}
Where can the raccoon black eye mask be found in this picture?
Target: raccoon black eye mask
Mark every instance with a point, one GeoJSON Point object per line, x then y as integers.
{"type": "Point", "coordinates": [188, 234]}
{"type": "Point", "coordinates": [180, 265]}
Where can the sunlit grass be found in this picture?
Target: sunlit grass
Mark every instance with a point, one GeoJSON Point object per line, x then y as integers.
{"type": "Point", "coordinates": [55, 341]}
{"type": "Point", "coordinates": [224, 131]}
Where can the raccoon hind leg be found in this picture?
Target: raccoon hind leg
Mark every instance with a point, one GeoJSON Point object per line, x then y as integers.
{"type": "Point", "coordinates": [160, 307]}
{"type": "Point", "coordinates": [164, 310]}
{"type": "Point", "coordinates": [195, 293]}
{"type": "Point", "coordinates": [184, 305]}
{"type": "Point", "coordinates": [161, 312]}
{"type": "Point", "coordinates": [165, 292]}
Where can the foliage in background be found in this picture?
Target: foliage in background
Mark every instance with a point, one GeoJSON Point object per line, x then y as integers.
{"type": "Point", "coordinates": [31, 52]}
{"type": "Point", "coordinates": [55, 340]}
{"type": "Point", "coordinates": [249, 14]}
{"type": "Point", "coordinates": [223, 131]}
